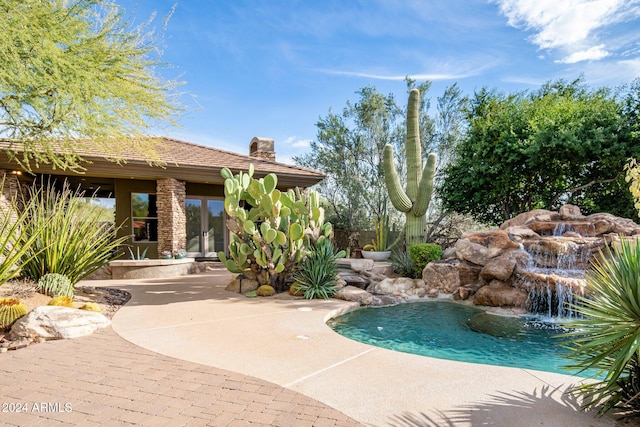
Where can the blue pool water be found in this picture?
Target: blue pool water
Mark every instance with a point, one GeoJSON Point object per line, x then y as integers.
{"type": "Point", "coordinates": [447, 330]}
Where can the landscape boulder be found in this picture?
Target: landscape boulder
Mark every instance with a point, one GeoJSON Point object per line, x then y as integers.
{"type": "Point", "coordinates": [351, 293]}
{"type": "Point", "coordinates": [500, 294]}
{"type": "Point", "coordinates": [53, 322]}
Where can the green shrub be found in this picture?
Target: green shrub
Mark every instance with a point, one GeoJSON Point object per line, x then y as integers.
{"type": "Point", "coordinates": [318, 273]}
{"type": "Point", "coordinates": [422, 254]}
{"type": "Point", "coordinates": [607, 336]}
{"type": "Point", "coordinates": [54, 284]}
{"type": "Point", "coordinates": [72, 237]}
{"type": "Point", "coordinates": [11, 309]}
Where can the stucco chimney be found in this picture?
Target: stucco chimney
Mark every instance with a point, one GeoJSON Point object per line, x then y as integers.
{"type": "Point", "coordinates": [262, 148]}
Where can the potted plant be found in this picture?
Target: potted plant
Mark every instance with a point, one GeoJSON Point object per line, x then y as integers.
{"type": "Point", "coordinates": [379, 248]}
{"type": "Point", "coordinates": [179, 253]}
{"type": "Point", "coordinates": [166, 255]}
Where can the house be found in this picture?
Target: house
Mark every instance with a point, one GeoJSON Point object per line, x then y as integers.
{"type": "Point", "coordinates": [175, 206]}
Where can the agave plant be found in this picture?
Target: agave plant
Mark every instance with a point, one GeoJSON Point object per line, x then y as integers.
{"type": "Point", "coordinates": [402, 263]}
{"type": "Point", "coordinates": [607, 336]}
{"type": "Point", "coordinates": [318, 273]}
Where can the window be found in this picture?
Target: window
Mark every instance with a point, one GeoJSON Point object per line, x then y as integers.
{"type": "Point", "coordinates": [144, 217]}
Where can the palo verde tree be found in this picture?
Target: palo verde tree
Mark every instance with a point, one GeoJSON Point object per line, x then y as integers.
{"type": "Point", "coordinates": [76, 74]}
{"type": "Point", "coordinates": [561, 144]}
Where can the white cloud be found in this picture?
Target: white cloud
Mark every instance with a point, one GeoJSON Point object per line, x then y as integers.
{"type": "Point", "coordinates": [523, 80]}
{"type": "Point", "coordinates": [443, 69]}
{"type": "Point", "coordinates": [620, 71]}
{"type": "Point", "coordinates": [577, 27]}
{"type": "Point", "coordinates": [297, 143]}
{"type": "Point", "coordinates": [592, 54]}
{"type": "Point", "coordinates": [397, 77]}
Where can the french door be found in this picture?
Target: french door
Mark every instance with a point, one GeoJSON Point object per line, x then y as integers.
{"type": "Point", "coordinates": [206, 230]}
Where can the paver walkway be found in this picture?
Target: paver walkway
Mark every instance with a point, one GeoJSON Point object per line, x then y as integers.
{"type": "Point", "coordinates": [104, 380]}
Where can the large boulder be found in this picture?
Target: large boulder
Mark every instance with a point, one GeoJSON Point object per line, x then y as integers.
{"type": "Point", "coordinates": [442, 275]}
{"type": "Point", "coordinates": [400, 286]}
{"type": "Point", "coordinates": [358, 265]}
{"type": "Point", "coordinates": [496, 239]}
{"type": "Point", "coordinates": [447, 276]}
{"type": "Point", "coordinates": [570, 212]}
{"type": "Point", "coordinates": [475, 252]}
{"type": "Point", "coordinates": [53, 322]}
{"type": "Point", "coordinates": [502, 266]}
{"type": "Point", "coordinates": [526, 217]}
{"type": "Point", "coordinates": [518, 233]}
{"type": "Point", "coordinates": [351, 293]}
{"type": "Point", "coordinates": [500, 294]}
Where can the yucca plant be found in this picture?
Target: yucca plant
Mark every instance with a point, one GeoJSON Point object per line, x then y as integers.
{"type": "Point", "coordinates": [607, 336]}
{"type": "Point", "coordinates": [72, 240]}
{"type": "Point", "coordinates": [16, 240]}
{"type": "Point", "coordinates": [318, 272]}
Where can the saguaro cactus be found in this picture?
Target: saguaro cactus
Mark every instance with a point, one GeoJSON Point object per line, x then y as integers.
{"type": "Point", "coordinates": [414, 202]}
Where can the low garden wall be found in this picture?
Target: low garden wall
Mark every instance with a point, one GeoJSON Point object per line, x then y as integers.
{"type": "Point", "coordinates": [150, 268]}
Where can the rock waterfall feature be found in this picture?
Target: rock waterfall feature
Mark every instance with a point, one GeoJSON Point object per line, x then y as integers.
{"type": "Point", "coordinates": [534, 262]}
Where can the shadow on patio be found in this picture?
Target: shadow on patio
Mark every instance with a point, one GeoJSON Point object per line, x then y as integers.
{"type": "Point", "coordinates": [515, 408]}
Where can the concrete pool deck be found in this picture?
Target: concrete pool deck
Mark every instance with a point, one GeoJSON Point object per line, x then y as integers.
{"type": "Point", "coordinates": [287, 342]}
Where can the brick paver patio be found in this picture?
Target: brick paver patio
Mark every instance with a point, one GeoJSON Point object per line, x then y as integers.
{"type": "Point", "coordinates": [104, 380]}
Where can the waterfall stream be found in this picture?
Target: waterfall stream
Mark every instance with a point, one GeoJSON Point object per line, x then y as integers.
{"type": "Point", "coordinates": [554, 274]}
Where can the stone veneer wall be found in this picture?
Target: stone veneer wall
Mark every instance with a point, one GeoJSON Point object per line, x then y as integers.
{"type": "Point", "coordinates": [172, 219]}
{"type": "Point", "coordinates": [10, 190]}
{"type": "Point", "coordinates": [265, 155]}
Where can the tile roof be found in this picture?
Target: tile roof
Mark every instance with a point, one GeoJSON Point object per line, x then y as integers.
{"type": "Point", "coordinates": [183, 155]}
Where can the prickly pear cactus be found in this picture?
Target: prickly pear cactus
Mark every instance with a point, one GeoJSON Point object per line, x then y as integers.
{"type": "Point", "coordinates": [414, 202]}
{"type": "Point", "coordinates": [271, 229]}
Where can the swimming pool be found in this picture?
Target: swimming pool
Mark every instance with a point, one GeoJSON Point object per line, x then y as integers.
{"type": "Point", "coordinates": [447, 330]}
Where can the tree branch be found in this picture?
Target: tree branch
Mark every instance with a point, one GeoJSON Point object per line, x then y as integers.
{"type": "Point", "coordinates": [582, 187]}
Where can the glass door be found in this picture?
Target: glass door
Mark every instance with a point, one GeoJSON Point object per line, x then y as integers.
{"type": "Point", "coordinates": [205, 227]}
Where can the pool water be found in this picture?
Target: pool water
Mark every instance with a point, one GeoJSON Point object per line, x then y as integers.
{"type": "Point", "coordinates": [452, 331]}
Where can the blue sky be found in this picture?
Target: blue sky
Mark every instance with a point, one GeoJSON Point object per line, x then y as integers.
{"type": "Point", "coordinates": [272, 68]}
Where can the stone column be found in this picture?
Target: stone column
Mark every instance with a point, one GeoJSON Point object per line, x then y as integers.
{"type": "Point", "coordinates": [172, 219]}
